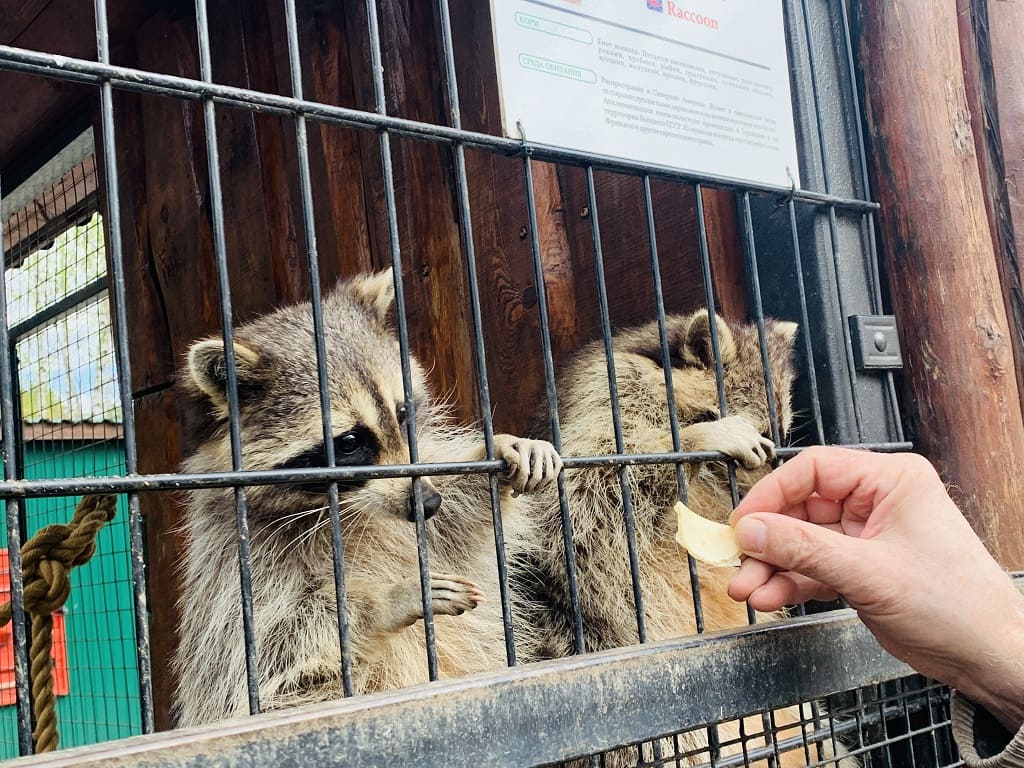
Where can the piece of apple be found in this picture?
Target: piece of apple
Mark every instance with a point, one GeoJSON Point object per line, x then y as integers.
{"type": "Point", "coordinates": [708, 541]}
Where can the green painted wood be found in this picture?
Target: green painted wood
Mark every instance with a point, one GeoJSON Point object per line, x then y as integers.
{"type": "Point", "coordinates": [103, 700]}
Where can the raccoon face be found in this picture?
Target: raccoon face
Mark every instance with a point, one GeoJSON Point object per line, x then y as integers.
{"type": "Point", "coordinates": [739, 348]}
{"type": "Point", "coordinates": [280, 411]}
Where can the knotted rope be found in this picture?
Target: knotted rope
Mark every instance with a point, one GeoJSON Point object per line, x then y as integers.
{"type": "Point", "coordinates": [46, 562]}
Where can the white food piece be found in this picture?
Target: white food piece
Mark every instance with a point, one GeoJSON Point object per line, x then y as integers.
{"type": "Point", "coordinates": [708, 541]}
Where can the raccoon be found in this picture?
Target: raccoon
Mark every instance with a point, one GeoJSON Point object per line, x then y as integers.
{"type": "Point", "coordinates": [595, 496]}
{"type": "Point", "coordinates": [295, 618]}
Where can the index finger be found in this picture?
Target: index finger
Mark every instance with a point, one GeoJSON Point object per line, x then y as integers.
{"type": "Point", "coordinates": [821, 483]}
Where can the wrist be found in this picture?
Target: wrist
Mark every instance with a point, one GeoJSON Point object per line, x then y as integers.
{"type": "Point", "coordinates": [995, 679]}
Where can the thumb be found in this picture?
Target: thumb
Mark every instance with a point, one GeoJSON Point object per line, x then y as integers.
{"type": "Point", "coordinates": [829, 557]}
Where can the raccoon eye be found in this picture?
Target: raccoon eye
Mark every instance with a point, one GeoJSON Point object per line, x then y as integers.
{"type": "Point", "coordinates": [703, 416]}
{"type": "Point", "coordinates": [348, 443]}
{"type": "Point", "coordinates": [402, 414]}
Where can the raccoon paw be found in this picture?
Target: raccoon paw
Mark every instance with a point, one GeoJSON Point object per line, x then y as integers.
{"type": "Point", "coordinates": [734, 436]}
{"type": "Point", "coordinates": [452, 595]}
{"type": "Point", "coordinates": [532, 464]}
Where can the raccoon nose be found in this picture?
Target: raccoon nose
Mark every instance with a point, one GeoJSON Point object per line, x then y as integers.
{"type": "Point", "coordinates": [431, 503]}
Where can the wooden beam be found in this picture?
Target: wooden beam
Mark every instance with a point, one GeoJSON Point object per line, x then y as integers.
{"type": "Point", "coordinates": [26, 228]}
{"type": "Point", "coordinates": [65, 27]}
{"type": "Point", "coordinates": [962, 395]}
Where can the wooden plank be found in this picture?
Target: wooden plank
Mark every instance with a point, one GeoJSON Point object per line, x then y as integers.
{"type": "Point", "coordinates": [434, 269]}
{"type": "Point", "coordinates": [16, 16]}
{"type": "Point", "coordinates": [160, 431]}
{"type": "Point", "coordinates": [65, 27]}
{"type": "Point", "coordinates": [504, 253]}
{"type": "Point", "coordinates": [959, 366]}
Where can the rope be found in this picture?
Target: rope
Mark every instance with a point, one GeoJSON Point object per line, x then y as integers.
{"type": "Point", "coordinates": [46, 562]}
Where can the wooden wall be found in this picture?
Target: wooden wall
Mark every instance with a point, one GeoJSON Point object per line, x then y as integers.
{"type": "Point", "coordinates": [167, 233]}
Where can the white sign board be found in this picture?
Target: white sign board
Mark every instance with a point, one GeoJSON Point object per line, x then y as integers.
{"type": "Point", "coordinates": [701, 85]}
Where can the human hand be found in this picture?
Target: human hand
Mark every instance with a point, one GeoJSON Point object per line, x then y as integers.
{"type": "Point", "coordinates": [881, 531]}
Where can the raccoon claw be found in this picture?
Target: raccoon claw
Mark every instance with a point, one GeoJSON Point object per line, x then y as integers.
{"type": "Point", "coordinates": [734, 436]}
{"type": "Point", "coordinates": [532, 464]}
{"type": "Point", "coordinates": [450, 595]}
{"type": "Point", "coordinates": [453, 595]}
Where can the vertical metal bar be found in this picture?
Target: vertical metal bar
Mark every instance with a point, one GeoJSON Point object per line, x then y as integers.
{"type": "Point", "coordinates": [14, 526]}
{"type": "Point", "coordinates": [932, 726]}
{"type": "Point", "coordinates": [552, 399]}
{"type": "Point", "coordinates": [391, 210]}
{"type": "Point", "coordinates": [673, 416]}
{"type": "Point", "coordinates": [224, 287]}
{"type": "Point", "coordinates": [750, 250]}
{"type": "Point", "coordinates": [479, 356]}
{"type": "Point", "coordinates": [851, 364]}
{"type": "Point", "coordinates": [905, 697]}
{"type": "Point", "coordinates": [313, 265]}
{"type": "Point", "coordinates": [833, 227]}
{"type": "Point", "coordinates": [709, 300]}
{"type": "Point", "coordinates": [812, 377]}
{"type": "Point", "coordinates": [613, 391]}
{"type": "Point", "coordinates": [117, 295]}
{"type": "Point", "coordinates": [887, 760]}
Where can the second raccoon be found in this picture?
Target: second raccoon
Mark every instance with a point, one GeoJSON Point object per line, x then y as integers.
{"type": "Point", "coordinates": [595, 496]}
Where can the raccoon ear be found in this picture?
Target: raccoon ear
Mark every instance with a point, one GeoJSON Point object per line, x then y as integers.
{"type": "Point", "coordinates": [208, 370]}
{"type": "Point", "coordinates": [697, 348]}
{"type": "Point", "coordinates": [375, 292]}
{"type": "Point", "coordinates": [783, 332]}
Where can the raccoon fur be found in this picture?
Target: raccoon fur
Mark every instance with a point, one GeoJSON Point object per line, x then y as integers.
{"type": "Point", "coordinates": [596, 501]}
{"type": "Point", "coordinates": [295, 619]}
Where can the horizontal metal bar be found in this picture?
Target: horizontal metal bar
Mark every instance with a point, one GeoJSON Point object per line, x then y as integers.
{"type": "Point", "coordinates": [69, 302]}
{"type": "Point", "coordinates": [235, 479]}
{"type": "Point", "coordinates": [127, 78]}
{"type": "Point", "coordinates": [536, 713]}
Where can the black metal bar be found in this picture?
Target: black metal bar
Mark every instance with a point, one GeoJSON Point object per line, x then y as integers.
{"type": "Point", "coordinates": [613, 393]}
{"type": "Point", "coordinates": [124, 378]}
{"type": "Point", "coordinates": [757, 310]}
{"type": "Point", "coordinates": [805, 326]}
{"type": "Point", "coordinates": [69, 302]}
{"type": "Point", "coordinates": [14, 528]}
{"type": "Point", "coordinates": [670, 392]}
{"type": "Point", "coordinates": [832, 225]}
{"type": "Point", "coordinates": [551, 392]}
{"type": "Point", "coordinates": [185, 481]}
{"type": "Point", "coordinates": [127, 78]}
{"type": "Point", "coordinates": [643, 692]}
{"type": "Point", "coordinates": [224, 291]}
{"type": "Point", "coordinates": [479, 353]}
{"type": "Point", "coordinates": [313, 268]}
{"type": "Point", "coordinates": [391, 209]}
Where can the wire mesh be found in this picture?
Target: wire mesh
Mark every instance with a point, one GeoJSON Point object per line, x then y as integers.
{"type": "Point", "coordinates": [77, 421]}
{"type": "Point", "coordinates": [70, 426]}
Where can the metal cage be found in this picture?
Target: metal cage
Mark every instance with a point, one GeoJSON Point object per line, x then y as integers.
{"type": "Point", "coordinates": [808, 255]}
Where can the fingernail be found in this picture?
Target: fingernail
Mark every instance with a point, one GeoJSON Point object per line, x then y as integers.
{"type": "Point", "coordinates": [752, 535]}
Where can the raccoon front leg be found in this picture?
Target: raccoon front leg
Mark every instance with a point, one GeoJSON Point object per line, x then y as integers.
{"type": "Point", "coordinates": [376, 612]}
{"type": "Point", "coordinates": [532, 464]}
{"type": "Point", "coordinates": [734, 436]}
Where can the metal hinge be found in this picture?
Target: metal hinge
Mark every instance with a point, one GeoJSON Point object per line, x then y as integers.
{"type": "Point", "coordinates": [876, 345]}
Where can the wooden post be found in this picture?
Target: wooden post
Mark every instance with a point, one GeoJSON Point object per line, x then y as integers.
{"type": "Point", "coordinates": [992, 53]}
{"type": "Point", "coordinates": [962, 396]}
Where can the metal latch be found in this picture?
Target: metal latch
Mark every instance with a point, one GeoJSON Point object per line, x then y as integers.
{"type": "Point", "coordinates": [876, 345]}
